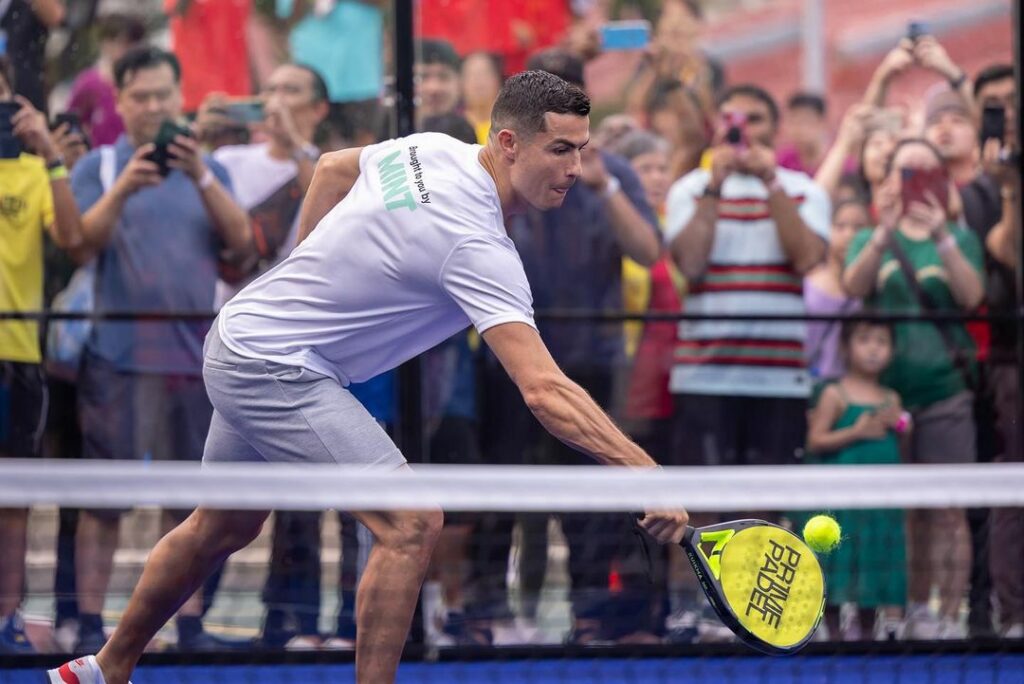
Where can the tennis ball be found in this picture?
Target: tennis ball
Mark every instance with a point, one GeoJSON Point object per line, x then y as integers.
{"type": "Point", "coordinates": [822, 533]}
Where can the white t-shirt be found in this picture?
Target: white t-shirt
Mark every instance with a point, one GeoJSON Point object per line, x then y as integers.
{"type": "Point", "coordinates": [255, 176]}
{"type": "Point", "coordinates": [415, 253]}
{"type": "Point", "coordinates": [747, 273]}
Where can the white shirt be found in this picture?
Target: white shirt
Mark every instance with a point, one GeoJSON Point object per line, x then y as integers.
{"type": "Point", "coordinates": [747, 273]}
{"type": "Point", "coordinates": [255, 176]}
{"type": "Point", "coordinates": [415, 253]}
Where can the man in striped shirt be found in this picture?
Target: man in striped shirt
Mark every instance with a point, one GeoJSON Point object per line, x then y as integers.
{"type": "Point", "coordinates": [743, 232]}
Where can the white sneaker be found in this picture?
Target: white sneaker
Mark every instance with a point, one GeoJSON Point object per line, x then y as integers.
{"type": "Point", "coordinates": [889, 629]}
{"type": "Point", "coordinates": [303, 643]}
{"type": "Point", "coordinates": [952, 629]}
{"type": "Point", "coordinates": [1014, 631]}
{"type": "Point", "coordinates": [66, 635]}
{"type": "Point", "coordinates": [83, 670]}
{"type": "Point", "coordinates": [338, 644]}
{"type": "Point", "coordinates": [922, 623]}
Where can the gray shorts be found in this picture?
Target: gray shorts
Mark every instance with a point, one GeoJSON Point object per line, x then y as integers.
{"type": "Point", "coordinates": [265, 411]}
{"type": "Point", "coordinates": [944, 431]}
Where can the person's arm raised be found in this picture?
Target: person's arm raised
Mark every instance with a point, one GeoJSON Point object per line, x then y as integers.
{"type": "Point", "coordinates": [335, 174]}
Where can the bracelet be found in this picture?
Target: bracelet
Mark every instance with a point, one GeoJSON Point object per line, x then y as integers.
{"type": "Point", "coordinates": [308, 151]}
{"type": "Point", "coordinates": [946, 245]}
{"type": "Point", "coordinates": [207, 179]}
{"type": "Point", "coordinates": [611, 186]}
{"type": "Point", "coordinates": [956, 83]}
{"type": "Point", "coordinates": [902, 424]}
{"type": "Point", "coordinates": [1008, 194]}
{"type": "Point", "coordinates": [774, 185]}
{"type": "Point", "coordinates": [712, 192]}
{"type": "Point", "coordinates": [57, 173]}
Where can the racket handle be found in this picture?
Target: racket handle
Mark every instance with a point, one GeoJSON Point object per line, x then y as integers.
{"type": "Point", "coordinates": [687, 539]}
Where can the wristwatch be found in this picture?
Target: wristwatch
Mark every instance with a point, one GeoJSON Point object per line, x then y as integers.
{"type": "Point", "coordinates": [611, 186]}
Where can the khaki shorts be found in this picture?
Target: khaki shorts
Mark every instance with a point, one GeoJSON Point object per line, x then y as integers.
{"type": "Point", "coordinates": [944, 432]}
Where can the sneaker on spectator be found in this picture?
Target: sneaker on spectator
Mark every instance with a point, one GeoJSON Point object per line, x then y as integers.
{"type": "Point", "coordinates": [681, 627]}
{"type": "Point", "coordinates": [710, 629]}
{"type": "Point", "coordinates": [889, 629]}
{"type": "Point", "coordinates": [303, 642]}
{"type": "Point", "coordinates": [336, 643]}
{"type": "Point", "coordinates": [952, 629]}
{"type": "Point", "coordinates": [1014, 631]}
{"type": "Point", "coordinates": [83, 670]}
{"type": "Point", "coordinates": [922, 623]}
{"type": "Point", "coordinates": [65, 635]}
{"type": "Point", "coordinates": [13, 639]}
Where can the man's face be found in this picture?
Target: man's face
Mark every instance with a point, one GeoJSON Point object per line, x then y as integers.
{"type": "Point", "coordinates": [292, 87]}
{"type": "Point", "coordinates": [760, 128]}
{"type": "Point", "coordinates": [954, 134]}
{"type": "Point", "coordinates": [804, 126]}
{"type": "Point", "coordinates": [547, 163]}
{"type": "Point", "coordinates": [1001, 94]}
{"type": "Point", "coordinates": [437, 89]}
{"type": "Point", "coordinates": [149, 97]}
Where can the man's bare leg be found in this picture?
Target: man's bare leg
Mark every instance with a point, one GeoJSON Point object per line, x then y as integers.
{"type": "Point", "coordinates": [14, 542]}
{"type": "Point", "coordinates": [176, 568]}
{"type": "Point", "coordinates": [389, 588]}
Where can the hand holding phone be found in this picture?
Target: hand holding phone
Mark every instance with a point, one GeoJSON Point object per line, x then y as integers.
{"type": "Point", "coordinates": [625, 35]}
{"type": "Point", "coordinates": [161, 155]}
{"type": "Point", "coordinates": [10, 145]}
{"type": "Point", "coordinates": [920, 185]}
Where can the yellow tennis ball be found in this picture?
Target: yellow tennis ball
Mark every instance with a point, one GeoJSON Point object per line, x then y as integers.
{"type": "Point", "coordinates": [822, 533]}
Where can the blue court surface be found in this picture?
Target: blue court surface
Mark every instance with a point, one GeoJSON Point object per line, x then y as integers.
{"type": "Point", "coordinates": [939, 669]}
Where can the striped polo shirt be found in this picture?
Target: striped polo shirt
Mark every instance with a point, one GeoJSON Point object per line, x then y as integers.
{"type": "Point", "coordinates": [747, 273]}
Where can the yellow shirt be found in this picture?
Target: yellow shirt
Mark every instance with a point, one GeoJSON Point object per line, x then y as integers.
{"type": "Point", "coordinates": [26, 210]}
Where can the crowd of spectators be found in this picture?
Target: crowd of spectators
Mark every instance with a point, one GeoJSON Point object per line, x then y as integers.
{"type": "Point", "coordinates": [174, 177]}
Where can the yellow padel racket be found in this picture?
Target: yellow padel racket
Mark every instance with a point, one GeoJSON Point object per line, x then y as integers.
{"type": "Point", "coordinates": [764, 582]}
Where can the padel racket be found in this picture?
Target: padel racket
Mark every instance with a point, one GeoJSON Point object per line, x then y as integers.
{"type": "Point", "coordinates": [764, 582]}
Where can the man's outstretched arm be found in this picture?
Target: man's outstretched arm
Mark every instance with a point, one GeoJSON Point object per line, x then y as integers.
{"type": "Point", "coordinates": [335, 174]}
{"type": "Point", "coordinates": [568, 412]}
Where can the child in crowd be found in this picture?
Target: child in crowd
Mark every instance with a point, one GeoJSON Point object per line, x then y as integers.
{"type": "Point", "coordinates": [824, 293]}
{"type": "Point", "coordinates": [857, 421]}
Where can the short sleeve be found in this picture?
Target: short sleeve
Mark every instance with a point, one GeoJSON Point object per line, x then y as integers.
{"type": "Point", "coordinates": [85, 181]}
{"type": "Point", "coordinates": [857, 244]}
{"type": "Point", "coordinates": [221, 173]}
{"type": "Point", "coordinates": [681, 203]}
{"type": "Point", "coordinates": [816, 210]}
{"type": "Point", "coordinates": [971, 247]}
{"type": "Point", "coordinates": [485, 277]}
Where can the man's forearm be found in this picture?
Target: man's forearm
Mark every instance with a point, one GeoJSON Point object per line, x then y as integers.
{"type": "Point", "coordinates": [859, 277]}
{"type": "Point", "coordinates": [803, 249]}
{"type": "Point", "coordinates": [570, 414]}
{"type": "Point", "coordinates": [637, 238]}
{"type": "Point", "coordinates": [691, 249]}
{"type": "Point", "coordinates": [229, 220]}
{"type": "Point", "coordinates": [67, 224]}
{"type": "Point", "coordinates": [99, 222]}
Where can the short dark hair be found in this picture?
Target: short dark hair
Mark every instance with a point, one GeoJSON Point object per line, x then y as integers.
{"type": "Point", "coordinates": [144, 57]}
{"type": "Point", "coordinates": [126, 27]}
{"type": "Point", "coordinates": [850, 326]}
{"type": "Point", "coordinates": [319, 85]}
{"type": "Point", "coordinates": [7, 72]}
{"type": "Point", "coordinates": [450, 124]}
{"type": "Point", "coordinates": [754, 92]}
{"type": "Point", "coordinates": [435, 51]}
{"type": "Point", "coordinates": [562, 63]}
{"type": "Point", "coordinates": [990, 74]}
{"type": "Point", "coordinates": [804, 100]}
{"type": "Point", "coordinates": [525, 98]}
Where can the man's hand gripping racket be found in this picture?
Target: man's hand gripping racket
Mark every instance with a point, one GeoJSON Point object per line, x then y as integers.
{"type": "Point", "coordinates": [764, 582]}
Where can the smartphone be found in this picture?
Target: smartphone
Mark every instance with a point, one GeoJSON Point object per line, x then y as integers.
{"type": "Point", "coordinates": [10, 145]}
{"type": "Point", "coordinates": [164, 137]}
{"type": "Point", "coordinates": [919, 183]}
{"type": "Point", "coordinates": [993, 124]}
{"type": "Point", "coordinates": [916, 29]}
{"type": "Point", "coordinates": [625, 35]}
{"type": "Point", "coordinates": [245, 111]}
{"type": "Point", "coordinates": [735, 124]}
{"type": "Point", "coordinates": [74, 123]}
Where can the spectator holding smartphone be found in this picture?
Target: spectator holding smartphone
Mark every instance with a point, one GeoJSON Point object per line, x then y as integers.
{"type": "Point", "coordinates": [141, 392]}
{"type": "Point", "coordinates": [917, 260]}
{"type": "Point", "coordinates": [36, 200]}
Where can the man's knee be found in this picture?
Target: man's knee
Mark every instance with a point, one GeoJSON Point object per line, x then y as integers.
{"type": "Point", "coordinates": [412, 530]}
{"type": "Point", "coordinates": [226, 531]}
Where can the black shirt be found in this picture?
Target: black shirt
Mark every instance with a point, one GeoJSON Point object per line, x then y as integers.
{"type": "Point", "coordinates": [983, 209]}
{"type": "Point", "coordinates": [26, 47]}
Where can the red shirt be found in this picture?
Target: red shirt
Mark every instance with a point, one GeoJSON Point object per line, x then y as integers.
{"type": "Point", "coordinates": [210, 42]}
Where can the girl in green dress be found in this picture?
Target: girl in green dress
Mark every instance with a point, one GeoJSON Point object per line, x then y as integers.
{"type": "Point", "coordinates": [857, 421]}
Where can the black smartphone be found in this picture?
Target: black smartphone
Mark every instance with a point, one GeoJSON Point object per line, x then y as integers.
{"type": "Point", "coordinates": [164, 137]}
{"type": "Point", "coordinates": [10, 145]}
{"type": "Point", "coordinates": [916, 29]}
{"type": "Point", "coordinates": [74, 123]}
{"type": "Point", "coordinates": [993, 124]}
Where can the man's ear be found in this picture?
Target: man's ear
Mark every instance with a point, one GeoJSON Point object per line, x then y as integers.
{"type": "Point", "coordinates": [508, 143]}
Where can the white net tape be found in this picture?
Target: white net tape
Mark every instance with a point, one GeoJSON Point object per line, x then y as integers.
{"type": "Point", "coordinates": [105, 484]}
